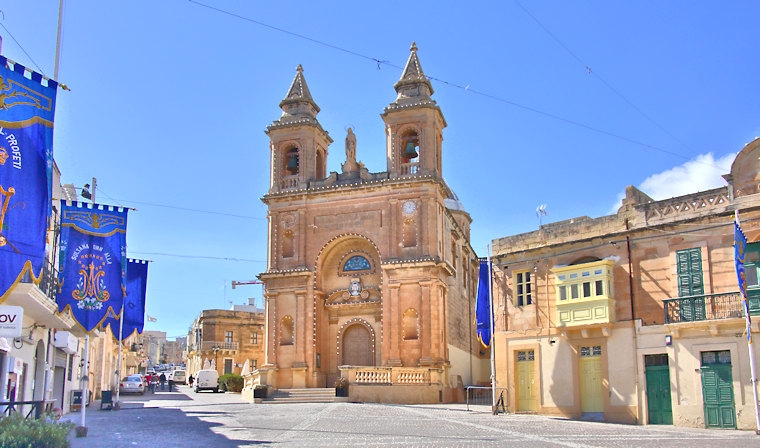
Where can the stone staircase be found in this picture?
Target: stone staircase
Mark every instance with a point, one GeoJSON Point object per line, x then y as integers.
{"type": "Point", "coordinates": [311, 395]}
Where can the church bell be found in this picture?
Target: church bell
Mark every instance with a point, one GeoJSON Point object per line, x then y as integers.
{"type": "Point", "coordinates": [410, 152]}
{"type": "Point", "coordinates": [292, 164]}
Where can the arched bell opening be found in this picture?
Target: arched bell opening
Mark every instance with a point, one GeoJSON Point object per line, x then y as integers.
{"type": "Point", "coordinates": [292, 162]}
{"type": "Point", "coordinates": [409, 152]}
{"type": "Point", "coordinates": [410, 147]}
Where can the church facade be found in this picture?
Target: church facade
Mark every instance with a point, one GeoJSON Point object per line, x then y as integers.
{"type": "Point", "coordinates": [370, 275]}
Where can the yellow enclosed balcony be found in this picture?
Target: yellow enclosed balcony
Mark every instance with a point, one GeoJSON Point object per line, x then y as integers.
{"type": "Point", "coordinates": [584, 293]}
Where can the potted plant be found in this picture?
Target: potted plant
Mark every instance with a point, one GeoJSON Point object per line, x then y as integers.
{"type": "Point", "coordinates": [260, 391]}
{"type": "Point", "coordinates": [341, 387]}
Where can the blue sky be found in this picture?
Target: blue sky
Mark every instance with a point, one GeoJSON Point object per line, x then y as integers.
{"type": "Point", "coordinates": [547, 102]}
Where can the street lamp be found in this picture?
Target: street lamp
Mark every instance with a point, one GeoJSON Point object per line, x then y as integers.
{"type": "Point", "coordinates": [216, 357]}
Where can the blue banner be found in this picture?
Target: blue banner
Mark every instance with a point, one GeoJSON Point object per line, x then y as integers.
{"type": "Point", "coordinates": [483, 304]}
{"type": "Point", "coordinates": [27, 107]}
{"type": "Point", "coordinates": [93, 262]}
{"type": "Point", "coordinates": [134, 302]}
{"type": "Point", "coordinates": [740, 248]}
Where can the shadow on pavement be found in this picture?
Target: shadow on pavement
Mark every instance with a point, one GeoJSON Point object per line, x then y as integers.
{"type": "Point", "coordinates": [138, 423]}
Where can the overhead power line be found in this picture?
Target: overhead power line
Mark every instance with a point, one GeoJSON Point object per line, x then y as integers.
{"type": "Point", "coordinates": [468, 87]}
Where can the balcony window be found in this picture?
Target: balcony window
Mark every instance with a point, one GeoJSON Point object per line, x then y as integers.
{"type": "Point", "coordinates": [584, 293]}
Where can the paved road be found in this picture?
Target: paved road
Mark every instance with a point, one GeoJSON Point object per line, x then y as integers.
{"type": "Point", "coordinates": [186, 419]}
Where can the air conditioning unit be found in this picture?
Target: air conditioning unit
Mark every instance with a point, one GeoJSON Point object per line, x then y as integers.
{"type": "Point", "coordinates": [66, 342]}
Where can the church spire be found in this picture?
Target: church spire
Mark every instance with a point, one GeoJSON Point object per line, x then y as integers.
{"type": "Point", "coordinates": [298, 103]}
{"type": "Point", "coordinates": [414, 86]}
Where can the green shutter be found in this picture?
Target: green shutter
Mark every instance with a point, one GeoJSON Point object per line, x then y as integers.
{"type": "Point", "coordinates": [690, 283]}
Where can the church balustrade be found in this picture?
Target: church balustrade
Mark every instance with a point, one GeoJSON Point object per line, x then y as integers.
{"type": "Point", "coordinates": [289, 182]}
{"type": "Point", "coordinates": [410, 168]}
{"type": "Point", "coordinates": [391, 375]}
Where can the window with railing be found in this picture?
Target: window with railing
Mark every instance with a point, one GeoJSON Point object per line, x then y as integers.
{"type": "Point", "coordinates": [690, 283]}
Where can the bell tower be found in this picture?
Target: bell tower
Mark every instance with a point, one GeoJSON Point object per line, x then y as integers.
{"type": "Point", "coordinates": [413, 125]}
{"type": "Point", "coordinates": [298, 143]}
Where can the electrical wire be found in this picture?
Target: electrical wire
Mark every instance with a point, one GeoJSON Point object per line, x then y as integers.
{"type": "Point", "coordinates": [599, 77]}
{"type": "Point", "coordinates": [23, 49]}
{"type": "Point", "coordinates": [467, 88]}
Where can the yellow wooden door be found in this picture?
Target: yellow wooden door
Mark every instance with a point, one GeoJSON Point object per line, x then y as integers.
{"type": "Point", "coordinates": [525, 378]}
{"type": "Point", "coordinates": [590, 366]}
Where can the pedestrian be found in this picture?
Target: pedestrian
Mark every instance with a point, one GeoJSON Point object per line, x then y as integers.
{"type": "Point", "coordinates": [162, 380]}
{"type": "Point", "coordinates": [190, 380]}
{"type": "Point", "coordinates": [148, 377]}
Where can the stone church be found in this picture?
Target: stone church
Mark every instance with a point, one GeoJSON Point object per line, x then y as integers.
{"type": "Point", "coordinates": [370, 275]}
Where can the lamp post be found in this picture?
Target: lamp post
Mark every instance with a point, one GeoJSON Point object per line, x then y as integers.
{"type": "Point", "coordinates": [216, 357]}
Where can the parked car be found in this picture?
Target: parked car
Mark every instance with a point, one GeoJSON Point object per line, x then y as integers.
{"type": "Point", "coordinates": [132, 384]}
{"type": "Point", "coordinates": [178, 376]}
{"type": "Point", "coordinates": [207, 379]}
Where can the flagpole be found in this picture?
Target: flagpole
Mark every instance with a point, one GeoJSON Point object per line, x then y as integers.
{"type": "Point", "coordinates": [753, 373]}
{"type": "Point", "coordinates": [82, 429]}
{"type": "Point", "coordinates": [117, 405]}
{"type": "Point", "coordinates": [493, 338]}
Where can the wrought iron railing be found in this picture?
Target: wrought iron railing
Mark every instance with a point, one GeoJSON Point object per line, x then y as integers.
{"type": "Point", "coordinates": [49, 280]}
{"type": "Point", "coordinates": [33, 408]}
{"type": "Point", "coordinates": [707, 307]}
{"type": "Point", "coordinates": [219, 345]}
{"type": "Point", "coordinates": [484, 396]}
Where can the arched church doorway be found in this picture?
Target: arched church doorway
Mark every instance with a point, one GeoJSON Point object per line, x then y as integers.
{"type": "Point", "coordinates": [357, 346]}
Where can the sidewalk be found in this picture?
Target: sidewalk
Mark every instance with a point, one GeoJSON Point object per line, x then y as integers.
{"type": "Point", "coordinates": [104, 424]}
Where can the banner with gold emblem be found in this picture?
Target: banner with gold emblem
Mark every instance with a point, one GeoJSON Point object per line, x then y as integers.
{"type": "Point", "coordinates": [93, 262]}
{"type": "Point", "coordinates": [27, 106]}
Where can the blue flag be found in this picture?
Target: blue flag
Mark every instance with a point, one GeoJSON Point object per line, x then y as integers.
{"type": "Point", "coordinates": [483, 304]}
{"type": "Point", "coordinates": [134, 302]}
{"type": "Point", "coordinates": [740, 247]}
{"type": "Point", "coordinates": [93, 262]}
{"type": "Point", "coordinates": [27, 107]}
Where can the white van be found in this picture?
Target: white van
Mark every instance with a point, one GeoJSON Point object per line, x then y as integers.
{"type": "Point", "coordinates": [207, 379]}
{"type": "Point", "coordinates": [178, 376]}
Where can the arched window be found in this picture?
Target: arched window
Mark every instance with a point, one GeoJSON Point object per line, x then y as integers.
{"type": "Point", "coordinates": [292, 162]}
{"type": "Point", "coordinates": [287, 331]}
{"type": "Point", "coordinates": [356, 263]}
{"type": "Point", "coordinates": [410, 147]}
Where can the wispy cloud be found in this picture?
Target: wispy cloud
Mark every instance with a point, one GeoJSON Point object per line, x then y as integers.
{"type": "Point", "coordinates": [703, 173]}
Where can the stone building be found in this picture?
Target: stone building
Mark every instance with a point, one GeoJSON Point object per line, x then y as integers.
{"type": "Point", "coordinates": [634, 317]}
{"type": "Point", "coordinates": [370, 274]}
{"type": "Point", "coordinates": [226, 340]}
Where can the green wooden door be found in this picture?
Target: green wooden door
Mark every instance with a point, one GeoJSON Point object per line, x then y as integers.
{"type": "Point", "coordinates": [690, 283]}
{"type": "Point", "coordinates": [659, 405]}
{"type": "Point", "coordinates": [717, 390]}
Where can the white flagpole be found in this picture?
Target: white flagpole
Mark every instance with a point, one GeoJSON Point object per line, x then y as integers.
{"type": "Point", "coordinates": [82, 430]}
{"type": "Point", "coordinates": [491, 323]}
{"type": "Point", "coordinates": [117, 405]}
{"type": "Point", "coordinates": [753, 373]}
